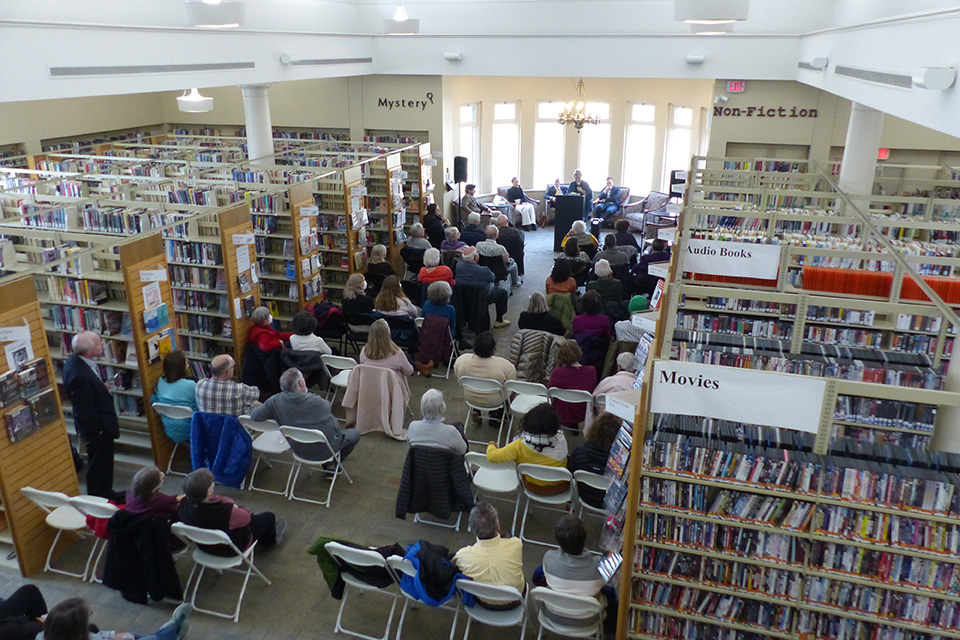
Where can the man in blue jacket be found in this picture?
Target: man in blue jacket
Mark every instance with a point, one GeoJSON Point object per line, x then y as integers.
{"type": "Point", "coordinates": [608, 201]}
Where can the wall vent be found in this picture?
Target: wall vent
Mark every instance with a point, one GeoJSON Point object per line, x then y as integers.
{"type": "Point", "coordinates": [325, 61]}
{"type": "Point", "coordinates": [881, 77]}
{"type": "Point", "coordinates": [145, 69]}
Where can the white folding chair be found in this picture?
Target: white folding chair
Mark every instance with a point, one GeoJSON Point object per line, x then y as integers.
{"type": "Point", "coordinates": [599, 403]}
{"type": "Point", "coordinates": [195, 536]}
{"type": "Point", "coordinates": [454, 351]}
{"type": "Point", "coordinates": [582, 608]}
{"type": "Point", "coordinates": [594, 481]}
{"type": "Point", "coordinates": [306, 437]}
{"type": "Point", "coordinates": [544, 473]}
{"type": "Point", "coordinates": [573, 396]}
{"type": "Point", "coordinates": [491, 592]}
{"type": "Point", "coordinates": [62, 516]}
{"type": "Point", "coordinates": [528, 395]}
{"type": "Point", "coordinates": [268, 444]}
{"type": "Point", "coordinates": [498, 478]}
{"type": "Point", "coordinates": [348, 556]}
{"type": "Point", "coordinates": [94, 507]}
{"type": "Point", "coordinates": [482, 385]}
{"type": "Point", "coordinates": [400, 567]}
{"type": "Point", "coordinates": [338, 382]}
{"type": "Point", "coordinates": [174, 412]}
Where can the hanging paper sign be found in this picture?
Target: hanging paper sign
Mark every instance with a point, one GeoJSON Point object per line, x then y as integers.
{"type": "Point", "coordinates": [658, 269]}
{"type": "Point", "coordinates": [403, 175]}
{"type": "Point", "coordinates": [153, 275]}
{"type": "Point", "coordinates": [310, 212]}
{"type": "Point", "coordinates": [740, 395]}
{"type": "Point", "coordinates": [243, 259]}
{"type": "Point", "coordinates": [623, 404]}
{"type": "Point", "coordinates": [358, 191]}
{"type": "Point", "coordinates": [735, 259]}
{"type": "Point", "coordinates": [11, 334]}
{"type": "Point", "coordinates": [668, 234]}
{"type": "Point", "coordinates": [645, 321]}
{"type": "Point", "coordinates": [429, 162]}
{"type": "Point", "coordinates": [243, 238]}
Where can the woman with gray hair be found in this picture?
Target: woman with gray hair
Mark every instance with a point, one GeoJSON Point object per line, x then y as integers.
{"type": "Point", "coordinates": [538, 318]}
{"type": "Point", "coordinates": [417, 239]}
{"type": "Point", "coordinates": [609, 288]}
{"type": "Point", "coordinates": [431, 430]}
{"type": "Point", "coordinates": [584, 238]}
{"type": "Point", "coordinates": [262, 332]}
{"type": "Point", "coordinates": [432, 270]}
{"type": "Point", "coordinates": [453, 242]}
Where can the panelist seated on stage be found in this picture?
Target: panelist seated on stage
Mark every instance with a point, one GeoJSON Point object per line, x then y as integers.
{"type": "Point", "coordinates": [524, 205]}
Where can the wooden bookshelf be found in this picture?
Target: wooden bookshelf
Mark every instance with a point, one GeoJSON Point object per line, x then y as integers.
{"type": "Point", "coordinates": [304, 214]}
{"type": "Point", "coordinates": [236, 222]}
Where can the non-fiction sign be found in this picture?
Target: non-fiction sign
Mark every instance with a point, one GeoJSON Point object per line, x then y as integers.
{"type": "Point", "coordinates": [736, 259]}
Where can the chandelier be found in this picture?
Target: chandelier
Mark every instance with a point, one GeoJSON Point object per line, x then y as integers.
{"type": "Point", "coordinates": [573, 112]}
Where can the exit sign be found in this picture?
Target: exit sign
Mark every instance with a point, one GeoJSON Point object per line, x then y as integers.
{"type": "Point", "coordinates": [883, 154]}
{"type": "Point", "coordinates": [736, 86]}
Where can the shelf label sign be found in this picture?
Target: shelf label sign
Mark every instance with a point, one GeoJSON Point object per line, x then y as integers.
{"type": "Point", "coordinates": [736, 259]}
{"type": "Point", "coordinates": [667, 234]}
{"type": "Point", "coordinates": [358, 191]}
{"type": "Point", "coordinates": [741, 395]}
{"type": "Point", "coordinates": [309, 212]}
{"type": "Point", "coordinates": [243, 238]}
{"type": "Point", "coordinates": [153, 275]}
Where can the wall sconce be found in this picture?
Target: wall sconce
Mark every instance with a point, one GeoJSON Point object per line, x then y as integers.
{"type": "Point", "coordinates": [695, 58]}
{"type": "Point", "coordinates": [713, 29]}
{"type": "Point", "coordinates": [453, 56]}
{"type": "Point", "coordinates": [934, 78]}
{"type": "Point", "coordinates": [193, 102]}
{"type": "Point", "coordinates": [711, 11]}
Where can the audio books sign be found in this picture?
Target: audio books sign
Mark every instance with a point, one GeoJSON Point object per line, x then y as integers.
{"type": "Point", "coordinates": [741, 395]}
{"type": "Point", "coordinates": [736, 259]}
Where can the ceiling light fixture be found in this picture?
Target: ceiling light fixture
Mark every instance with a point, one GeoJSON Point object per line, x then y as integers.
{"type": "Point", "coordinates": [214, 14]}
{"type": "Point", "coordinates": [192, 102]}
{"type": "Point", "coordinates": [711, 12]}
{"type": "Point", "coordinates": [401, 24]}
{"type": "Point", "coordinates": [934, 78]}
{"type": "Point", "coordinates": [574, 111]}
{"type": "Point", "coordinates": [711, 29]}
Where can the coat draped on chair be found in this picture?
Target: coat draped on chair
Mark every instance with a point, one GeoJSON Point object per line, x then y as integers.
{"type": "Point", "coordinates": [385, 398]}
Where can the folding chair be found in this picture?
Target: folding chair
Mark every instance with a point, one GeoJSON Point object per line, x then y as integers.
{"type": "Point", "coordinates": [348, 556]}
{"type": "Point", "coordinates": [195, 536]}
{"type": "Point", "coordinates": [508, 618]}
{"type": "Point", "coordinates": [267, 441]}
{"type": "Point", "coordinates": [545, 474]}
{"type": "Point", "coordinates": [62, 516]}
{"type": "Point", "coordinates": [312, 436]}
{"type": "Point", "coordinates": [498, 478]}
{"type": "Point", "coordinates": [481, 385]}
{"type": "Point", "coordinates": [594, 481]}
{"type": "Point", "coordinates": [569, 606]}
{"type": "Point", "coordinates": [454, 350]}
{"type": "Point", "coordinates": [573, 396]}
{"type": "Point", "coordinates": [400, 567]}
{"type": "Point", "coordinates": [174, 412]}
{"type": "Point", "coordinates": [338, 383]}
{"type": "Point", "coordinates": [94, 507]}
{"type": "Point", "coordinates": [529, 395]}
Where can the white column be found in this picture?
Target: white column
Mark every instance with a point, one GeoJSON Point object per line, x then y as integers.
{"type": "Point", "coordinates": [256, 111]}
{"type": "Point", "coordinates": [860, 150]}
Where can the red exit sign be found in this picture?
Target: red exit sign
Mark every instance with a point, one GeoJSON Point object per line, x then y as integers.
{"type": "Point", "coordinates": [883, 154]}
{"type": "Point", "coordinates": [736, 86]}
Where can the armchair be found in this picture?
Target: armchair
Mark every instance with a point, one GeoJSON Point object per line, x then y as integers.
{"type": "Point", "coordinates": [509, 209]}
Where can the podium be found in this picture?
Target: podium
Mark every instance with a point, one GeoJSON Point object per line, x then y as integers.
{"type": "Point", "coordinates": [569, 209]}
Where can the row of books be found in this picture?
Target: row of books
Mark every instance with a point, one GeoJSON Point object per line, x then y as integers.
{"type": "Point", "coordinates": [882, 603]}
{"type": "Point", "coordinates": [885, 567]}
{"type": "Point", "coordinates": [200, 301]}
{"type": "Point", "coordinates": [908, 489]}
{"type": "Point", "coordinates": [722, 607]}
{"type": "Point", "coordinates": [822, 625]}
{"type": "Point", "coordinates": [199, 277]}
{"type": "Point", "coordinates": [202, 325]}
{"type": "Point", "coordinates": [49, 216]}
{"type": "Point", "coordinates": [265, 224]}
{"type": "Point", "coordinates": [868, 435]}
{"type": "Point", "coordinates": [889, 413]}
{"type": "Point", "coordinates": [746, 304]}
{"type": "Point", "coordinates": [661, 625]}
{"type": "Point", "coordinates": [730, 431]}
{"type": "Point", "coordinates": [207, 196]}
{"type": "Point", "coordinates": [194, 252]}
{"type": "Point", "coordinates": [850, 337]}
{"type": "Point", "coordinates": [735, 325]}
{"type": "Point", "coordinates": [107, 323]}
{"type": "Point", "coordinates": [91, 292]}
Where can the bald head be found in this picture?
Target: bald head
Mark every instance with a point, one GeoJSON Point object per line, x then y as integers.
{"type": "Point", "coordinates": [221, 367]}
{"type": "Point", "coordinates": [502, 221]}
{"type": "Point", "coordinates": [470, 254]}
{"type": "Point", "coordinates": [88, 344]}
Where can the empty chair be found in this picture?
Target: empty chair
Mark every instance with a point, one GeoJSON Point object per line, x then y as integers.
{"type": "Point", "coordinates": [594, 481]}
{"type": "Point", "coordinates": [528, 395]}
{"type": "Point", "coordinates": [62, 516]}
{"type": "Point", "coordinates": [174, 412]}
{"type": "Point", "coordinates": [573, 396]}
{"type": "Point", "coordinates": [95, 507]}
{"type": "Point", "coordinates": [312, 436]}
{"type": "Point", "coordinates": [346, 557]}
{"type": "Point", "coordinates": [403, 567]}
{"type": "Point", "coordinates": [338, 382]}
{"type": "Point", "coordinates": [268, 443]}
{"type": "Point", "coordinates": [582, 615]}
{"type": "Point", "coordinates": [507, 618]}
{"type": "Point", "coordinates": [482, 385]}
{"type": "Point", "coordinates": [434, 481]}
{"type": "Point", "coordinates": [195, 536]}
{"type": "Point", "coordinates": [544, 474]}
{"type": "Point", "coordinates": [497, 478]}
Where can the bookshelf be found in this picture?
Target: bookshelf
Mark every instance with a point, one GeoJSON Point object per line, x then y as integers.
{"type": "Point", "coordinates": [238, 260]}
{"type": "Point", "coordinates": [41, 459]}
{"type": "Point", "coordinates": [304, 214]}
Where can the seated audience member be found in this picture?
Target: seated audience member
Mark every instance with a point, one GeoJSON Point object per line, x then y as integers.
{"type": "Point", "coordinates": [174, 387]}
{"type": "Point", "coordinates": [607, 202]}
{"type": "Point", "coordinates": [524, 206]}
{"type": "Point", "coordinates": [355, 300]}
{"type": "Point", "coordinates": [378, 268]}
{"type": "Point", "coordinates": [483, 364]}
{"type": "Point", "coordinates": [625, 330]}
{"type": "Point", "coordinates": [471, 274]}
{"type": "Point", "coordinates": [537, 317]}
{"type": "Point", "coordinates": [573, 255]}
{"type": "Point", "coordinates": [432, 270]}
{"type": "Point", "coordinates": [570, 374]}
{"type": "Point", "coordinates": [417, 239]}
{"type": "Point", "coordinates": [452, 243]}
{"type": "Point", "coordinates": [592, 320]}
{"type": "Point", "coordinates": [643, 282]}
{"type": "Point", "coordinates": [473, 232]}
{"type": "Point", "coordinates": [202, 508]}
{"type": "Point", "coordinates": [571, 569]}
{"type": "Point", "coordinates": [490, 248]}
{"type": "Point", "coordinates": [580, 186]}
{"type": "Point", "coordinates": [392, 302]}
{"type": "Point", "coordinates": [438, 304]}
{"type": "Point", "coordinates": [433, 224]}
{"type": "Point", "coordinates": [70, 620]}
{"type": "Point", "coordinates": [512, 240]}
{"type": "Point", "coordinates": [22, 614]}
{"type": "Point", "coordinates": [294, 406]}
{"type": "Point", "coordinates": [606, 286]}
{"type": "Point", "coordinates": [220, 394]}
{"type": "Point", "coordinates": [494, 559]}
{"type": "Point", "coordinates": [560, 280]}
{"type": "Point", "coordinates": [583, 237]}
{"type": "Point", "coordinates": [469, 203]}
{"type": "Point", "coordinates": [592, 455]}
{"type": "Point", "coordinates": [540, 442]}
{"type": "Point", "coordinates": [610, 253]}
{"type": "Point", "coordinates": [144, 497]}
{"type": "Point", "coordinates": [623, 378]}
{"type": "Point", "coordinates": [623, 235]}
{"type": "Point", "coordinates": [431, 431]}
{"type": "Point", "coordinates": [381, 351]}
{"type": "Point", "coordinates": [303, 339]}
{"type": "Point", "coordinates": [262, 332]}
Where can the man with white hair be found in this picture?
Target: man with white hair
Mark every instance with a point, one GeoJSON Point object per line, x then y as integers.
{"type": "Point", "coordinates": [94, 413]}
{"type": "Point", "coordinates": [296, 407]}
{"type": "Point", "coordinates": [622, 379]}
{"type": "Point", "coordinates": [471, 274]}
{"type": "Point", "coordinates": [494, 559]}
{"type": "Point", "coordinates": [220, 394]}
{"type": "Point", "coordinates": [490, 248]}
{"type": "Point", "coordinates": [431, 430]}
{"type": "Point", "coordinates": [473, 232]}
{"type": "Point", "coordinates": [417, 239]}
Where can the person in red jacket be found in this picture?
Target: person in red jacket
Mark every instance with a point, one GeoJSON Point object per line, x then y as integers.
{"type": "Point", "coordinates": [263, 334]}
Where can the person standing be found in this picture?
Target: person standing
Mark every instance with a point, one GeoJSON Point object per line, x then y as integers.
{"type": "Point", "coordinates": [434, 226]}
{"type": "Point", "coordinates": [579, 185]}
{"type": "Point", "coordinates": [94, 413]}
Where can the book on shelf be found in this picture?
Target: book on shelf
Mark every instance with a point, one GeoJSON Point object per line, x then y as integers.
{"type": "Point", "coordinates": [248, 306]}
{"type": "Point", "coordinates": [44, 407]}
{"type": "Point", "coordinates": [20, 423]}
{"type": "Point", "coordinates": [156, 318]}
{"type": "Point", "coordinates": [33, 377]}
{"type": "Point", "coordinates": [131, 358]}
{"type": "Point", "coordinates": [9, 388]}
{"type": "Point", "coordinates": [244, 283]}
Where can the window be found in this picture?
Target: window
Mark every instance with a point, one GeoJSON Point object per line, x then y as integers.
{"type": "Point", "coordinates": [595, 146]}
{"type": "Point", "coordinates": [639, 152]}
{"type": "Point", "coordinates": [506, 143]}
{"type": "Point", "coordinates": [470, 139]}
{"type": "Point", "coordinates": [679, 138]}
{"type": "Point", "coordinates": [548, 141]}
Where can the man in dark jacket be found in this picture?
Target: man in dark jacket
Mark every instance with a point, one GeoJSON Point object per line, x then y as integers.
{"type": "Point", "coordinates": [512, 239]}
{"type": "Point", "coordinates": [471, 274]}
{"type": "Point", "coordinates": [473, 232]}
{"type": "Point", "coordinates": [644, 283]}
{"type": "Point", "coordinates": [433, 225]}
{"type": "Point", "coordinates": [94, 413]}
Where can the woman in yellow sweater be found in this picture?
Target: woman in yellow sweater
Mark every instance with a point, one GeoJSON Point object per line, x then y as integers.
{"type": "Point", "coordinates": [540, 442]}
